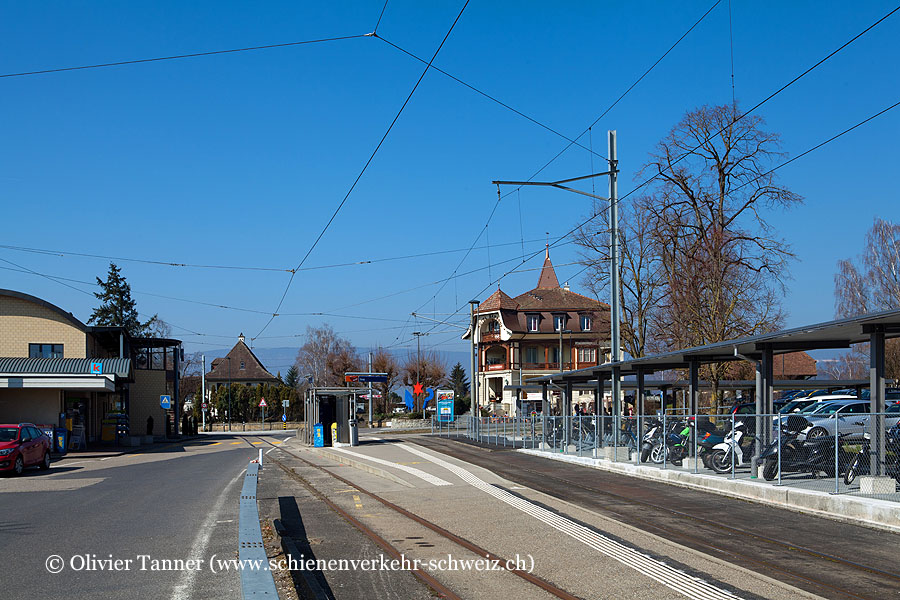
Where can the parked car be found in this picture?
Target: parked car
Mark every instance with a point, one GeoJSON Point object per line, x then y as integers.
{"type": "Point", "coordinates": [850, 418]}
{"type": "Point", "coordinates": [23, 445]}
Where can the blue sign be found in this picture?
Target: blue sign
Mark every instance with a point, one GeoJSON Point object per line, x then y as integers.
{"type": "Point", "coordinates": [96, 367]}
{"type": "Point", "coordinates": [445, 405]}
{"type": "Point", "coordinates": [318, 435]}
{"type": "Point", "coordinates": [165, 402]}
{"type": "Point", "coordinates": [410, 401]}
{"type": "Point", "coordinates": [284, 418]}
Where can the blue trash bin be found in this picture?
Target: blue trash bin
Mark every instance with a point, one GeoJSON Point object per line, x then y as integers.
{"type": "Point", "coordinates": [318, 435]}
{"type": "Point", "coordinates": [61, 440]}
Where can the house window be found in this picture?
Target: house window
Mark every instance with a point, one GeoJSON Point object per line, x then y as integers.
{"type": "Point", "coordinates": [45, 350]}
{"type": "Point", "coordinates": [559, 322]}
{"type": "Point", "coordinates": [585, 323]}
{"type": "Point", "coordinates": [494, 326]}
{"type": "Point", "coordinates": [531, 354]}
{"type": "Point", "coordinates": [587, 355]}
{"type": "Point", "coordinates": [533, 321]}
{"type": "Point", "coordinates": [242, 365]}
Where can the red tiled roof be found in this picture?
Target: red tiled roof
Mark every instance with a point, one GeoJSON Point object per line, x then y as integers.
{"type": "Point", "coordinates": [498, 301]}
{"type": "Point", "coordinates": [241, 354]}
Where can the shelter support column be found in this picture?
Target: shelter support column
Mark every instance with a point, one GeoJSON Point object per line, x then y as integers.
{"type": "Point", "coordinates": [693, 387]}
{"type": "Point", "coordinates": [876, 398]}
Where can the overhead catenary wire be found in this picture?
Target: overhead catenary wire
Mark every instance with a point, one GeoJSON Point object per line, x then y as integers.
{"type": "Point", "coordinates": [770, 171]}
{"type": "Point", "coordinates": [137, 61]}
{"type": "Point", "coordinates": [363, 170]}
{"type": "Point", "coordinates": [489, 96]}
{"type": "Point", "coordinates": [68, 253]}
{"type": "Point", "coordinates": [571, 143]}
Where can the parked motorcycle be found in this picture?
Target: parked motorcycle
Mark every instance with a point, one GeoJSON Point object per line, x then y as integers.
{"type": "Point", "coordinates": [794, 455]}
{"type": "Point", "coordinates": [860, 463]}
{"type": "Point", "coordinates": [673, 445]}
{"type": "Point", "coordinates": [651, 435]}
{"type": "Point", "coordinates": [731, 450]}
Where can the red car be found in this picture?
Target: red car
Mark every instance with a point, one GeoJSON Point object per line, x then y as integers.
{"type": "Point", "coordinates": [23, 445]}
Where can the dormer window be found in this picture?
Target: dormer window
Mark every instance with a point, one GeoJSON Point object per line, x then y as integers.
{"type": "Point", "coordinates": [559, 322]}
{"type": "Point", "coordinates": [586, 323]}
{"type": "Point", "coordinates": [533, 322]}
{"type": "Point", "coordinates": [494, 327]}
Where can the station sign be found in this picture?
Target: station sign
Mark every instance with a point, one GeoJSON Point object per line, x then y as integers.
{"type": "Point", "coordinates": [365, 377]}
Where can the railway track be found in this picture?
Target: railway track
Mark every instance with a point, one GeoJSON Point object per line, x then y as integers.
{"type": "Point", "coordinates": [436, 586]}
{"type": "Point", "coordinates": [630, 502]}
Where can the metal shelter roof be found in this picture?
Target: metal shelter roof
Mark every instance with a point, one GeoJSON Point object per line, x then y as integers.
{"type": "Point", "coordinates": [120, 367]}
{"type": "Point", "coordinates": [840, 333]}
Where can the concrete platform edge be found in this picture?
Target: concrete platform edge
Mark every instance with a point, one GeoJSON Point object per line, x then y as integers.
{"type": "Point", "coordinates": [362, 466]}
{"type": "Point", "coordinates": [878, 514]}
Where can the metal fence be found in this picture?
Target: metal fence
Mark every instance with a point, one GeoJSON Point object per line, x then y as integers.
{"type": "Point", "coordinates": [799, 450]}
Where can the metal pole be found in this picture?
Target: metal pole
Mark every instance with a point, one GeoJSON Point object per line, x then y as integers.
{"type": "Point", "coordinates": [418, 335]}
{"type": "Point", "coordinates": [228, 358]}
{"type": "Point", "coordinates": [615, 275]}
{"type": "Point", "coordinates": [474, 405]}
{"type": "Point", "coordinates": [876, 401]}
{"type": "Point", "coordinates": [203, 387]}
{"type": "Point", "coordinates": [370, 391]}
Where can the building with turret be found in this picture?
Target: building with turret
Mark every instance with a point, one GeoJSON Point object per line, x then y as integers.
{"type": "Point", "coordinates": [542, 331]}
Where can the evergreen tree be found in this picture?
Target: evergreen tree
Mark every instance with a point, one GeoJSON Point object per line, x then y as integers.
{"type": "Point", "coordinates": [292, 379]}
{"type": "Point", "coordinates": [117, 308]}
{"type": "Point", "coordinates": [458, 381]}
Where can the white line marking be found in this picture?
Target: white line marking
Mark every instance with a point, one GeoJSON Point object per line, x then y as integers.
{"type": "Point", "coordinates": [269, 450]}
{"type": "Point", "coordinates": [184, 590]}
{"type": "Point", "coordinates": [681, 582]}
{"type": "Point", "coordinates": [411, 470]}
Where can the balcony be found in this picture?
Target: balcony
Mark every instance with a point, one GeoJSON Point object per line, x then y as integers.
{"type": "Point", "coordinates": [548, 366]}
{"type": "Point", "coordinates": [490, 336]}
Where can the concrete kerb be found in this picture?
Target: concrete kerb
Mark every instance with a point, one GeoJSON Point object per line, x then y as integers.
{"type": "Point", "coordinates": [869, 512]}
{"type": "Point", "coordinates": [362, 466]}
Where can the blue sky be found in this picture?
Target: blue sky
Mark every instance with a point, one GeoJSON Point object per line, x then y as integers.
{"type": "Point", "coordinates": [240, 159]}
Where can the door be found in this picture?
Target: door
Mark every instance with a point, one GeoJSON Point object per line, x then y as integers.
{"type": "Point", "coordinates": [27, 446]}
{"type": "Point", "coordinates": [854, 419]}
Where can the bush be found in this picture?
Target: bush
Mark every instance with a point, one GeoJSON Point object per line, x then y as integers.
{"type": "Point", "coordinates": [412, 415]}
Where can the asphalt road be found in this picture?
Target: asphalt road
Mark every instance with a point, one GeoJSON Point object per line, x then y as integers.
{"type": "Point", "coordinates": [172, 502]}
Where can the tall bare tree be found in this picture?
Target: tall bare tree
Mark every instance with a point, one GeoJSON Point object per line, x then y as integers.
{"type": "Point", "coordinates": [643, 280]}
{"type": "Point", "coordinates": [385, 362]}
{"type": "Point", "coordinates": [869, 284]}
{"type": "Point", "coordinates": [723, 263]}
{"type": "Point", "coordinates": [327, 356]}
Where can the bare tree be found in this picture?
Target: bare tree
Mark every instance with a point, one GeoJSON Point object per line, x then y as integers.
{"type": "Point", "coordinates": [385, 362]}
{"type": "Point", "coordinates": [723, 264]}
{"type": "Point", "coordinates": [871, 283]}
{"type": "Point", "coordinates": [429, 369]}
{"type": "Point", "coordinates": [326, 356]}
{"type": "Point", "coordinates": [643, 281]}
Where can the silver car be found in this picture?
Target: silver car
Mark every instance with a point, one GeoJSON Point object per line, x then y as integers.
{"type": "Point", "coordinates": [850, 417]}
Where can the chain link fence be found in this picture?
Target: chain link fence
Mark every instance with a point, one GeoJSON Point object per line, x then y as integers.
{"type": "Point", "coordinates": [837, 453]}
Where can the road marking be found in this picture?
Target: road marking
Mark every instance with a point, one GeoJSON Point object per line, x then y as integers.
{"type": "Point", "coordinates": [357, 500]}
{"type": "Point", "coordinates": [269, 450]}
{"type": "Point", "coordinates": [277, 442]}
{"type": "Point", "coordinates": [184, 590]}
{"type": "Point", "coordinates": [215, 443]}
{"type": "Point", "coordinates": [235, 443]}
{"type": "Point", "coordinates": [681, 582]}
{"type": "Point", "coordinates": [411, 470]}
{"type": "Point", "coordinates": [256, 443]}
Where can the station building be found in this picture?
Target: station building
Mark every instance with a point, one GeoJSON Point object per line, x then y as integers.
{"type": "Point", "coordinates": [545, 330]}
{"type": "Point", "coordinates": [96, 381]}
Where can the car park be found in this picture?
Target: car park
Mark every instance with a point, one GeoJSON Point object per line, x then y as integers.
{"type": "Point", "coordinates": [23, 445]}
{"type": "Point", "coordinates": [850, 418]}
